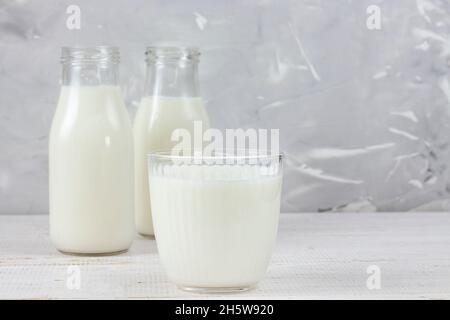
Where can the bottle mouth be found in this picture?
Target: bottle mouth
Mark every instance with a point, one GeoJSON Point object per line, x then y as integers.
{"type": "Point", "coordinates": [86, 55]}
{"type": "Point", "coordinates": [154, 53]}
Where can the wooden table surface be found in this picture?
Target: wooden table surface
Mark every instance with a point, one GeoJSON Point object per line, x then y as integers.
{"type": "Point", "coordinates": [328, 256]}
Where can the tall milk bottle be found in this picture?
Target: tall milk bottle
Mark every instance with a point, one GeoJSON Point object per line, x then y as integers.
{"type": "Point", "coordinates": [171, 100]}
{"type": "Point", "coordinates": [91, 157]}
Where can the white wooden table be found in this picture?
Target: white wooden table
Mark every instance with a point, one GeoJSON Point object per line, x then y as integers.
{"type": "Point", "coordinates": [317, 256]}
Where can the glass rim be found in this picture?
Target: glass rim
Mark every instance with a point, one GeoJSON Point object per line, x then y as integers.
{"type": "Point", "coordinates": [264, 154]}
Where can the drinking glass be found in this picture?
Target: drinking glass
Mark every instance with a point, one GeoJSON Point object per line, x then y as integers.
{"type": "Point", "coordinates": [215, 217]}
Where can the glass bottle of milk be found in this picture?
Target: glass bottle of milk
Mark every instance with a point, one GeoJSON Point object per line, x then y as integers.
{"type": "Point", "coordinates": [91, 157]}
{"type": "Point", "coordinates": [171, 100]}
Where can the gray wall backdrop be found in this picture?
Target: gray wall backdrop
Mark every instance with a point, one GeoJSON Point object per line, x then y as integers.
{"type": "Point", "coordinates": [364, 114]}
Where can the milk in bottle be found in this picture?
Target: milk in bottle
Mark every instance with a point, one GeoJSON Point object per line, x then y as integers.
{"type": "Point", "coordinates": [171, 101]}
{"type": "Point", "coordinates": [91, 157]}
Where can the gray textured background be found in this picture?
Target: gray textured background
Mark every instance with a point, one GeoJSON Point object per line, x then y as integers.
{"type": "Point", "coordinates": [364, 114]}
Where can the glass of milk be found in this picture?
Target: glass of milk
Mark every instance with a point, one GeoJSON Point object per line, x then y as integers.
{"type": "Point", "coordinates": [91, 157]}
{"type": "Point", "coordinates": [215, 218]}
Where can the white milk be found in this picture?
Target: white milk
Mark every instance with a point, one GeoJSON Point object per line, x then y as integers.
{"type": "Point", "coordinates": [215, 226]}
{"type": "Point", "coordinates": [91, 171]}
{"type": "Point", "coordinates": [155, 121]}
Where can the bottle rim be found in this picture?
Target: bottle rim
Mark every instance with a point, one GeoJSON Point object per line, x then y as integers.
{"type": "Point", "coordinates": [86, 55]}
{"type": "Point", "coordinates": [188, 53]}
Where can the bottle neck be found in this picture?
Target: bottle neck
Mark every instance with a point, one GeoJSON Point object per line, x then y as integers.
{"type": "Point", "coordinates": [90, 75]}
{"type": "Point", "coordinates": [172, 79]}
{"type": "Point", "coordinates": [90, 66]}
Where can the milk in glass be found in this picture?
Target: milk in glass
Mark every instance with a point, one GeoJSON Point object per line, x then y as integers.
{"type": "Point", "coordinates": [215, 225]}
